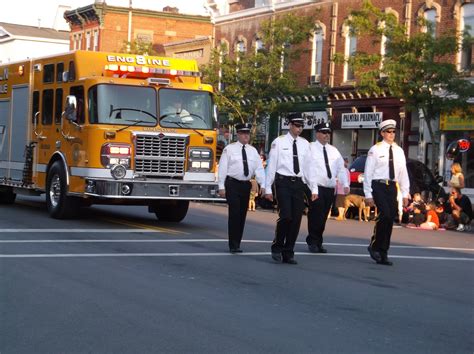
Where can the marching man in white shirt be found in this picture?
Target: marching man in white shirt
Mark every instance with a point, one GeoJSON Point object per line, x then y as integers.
{"type": "Point", "coordinates": [384, 168]}
{"type": "Point", "coordinates": [239, 162]}
{"type": "Point", "coordinates": [324, 167]}
{"type": "Point", "coordinates": [286, 166]}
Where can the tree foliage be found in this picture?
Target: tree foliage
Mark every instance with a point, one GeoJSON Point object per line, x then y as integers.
{"type": "Point", "coordinates": [419, 68]}
{"type": "Point", "coordinates": [139, 47]}
{"type": "Point", "coordinates": [249, 79]}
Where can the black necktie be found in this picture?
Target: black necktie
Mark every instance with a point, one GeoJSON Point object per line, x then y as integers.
{"type": "Point", "coordinates": [391, 167]}
{"type": "Point", "coordinates": [244, 159]}
{"type": "Point", "coordinates": [296, 163]}
{"type": "Point", "coordinates": [326, 161]}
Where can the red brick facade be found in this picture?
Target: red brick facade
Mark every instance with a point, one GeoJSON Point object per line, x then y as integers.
{"type": "Point", "coordinates": [242, 25]}
{"type": "Point", "coordinates": [111, 27]}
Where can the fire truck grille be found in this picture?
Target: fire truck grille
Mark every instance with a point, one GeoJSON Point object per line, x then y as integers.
{"type": "Point", "coordinates": [164, 157]}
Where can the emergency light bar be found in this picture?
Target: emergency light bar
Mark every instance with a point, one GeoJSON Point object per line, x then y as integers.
{"type": "Point", "coordinates": [147, 70]}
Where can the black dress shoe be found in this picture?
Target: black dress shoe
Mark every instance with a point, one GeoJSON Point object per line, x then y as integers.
{"type": "Point", "coordinates": [290, 261]}
{"type": "Point", "coordinates": [322, 250]}
{"type": "Point", "coordinates": [235, 250]}
{"type": "Point", "coordinates": [277, 257]}
{"type": "Point", "coordinates": [385, 262]}
{"type": "Point", "coordinates": [374, 255]}
{"type": "Point", "coordinates": [317, 249]}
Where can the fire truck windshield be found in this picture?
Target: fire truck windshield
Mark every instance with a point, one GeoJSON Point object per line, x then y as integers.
{"type": "Point", "coordinates": [186, 109]}
{"type": "Point", "coordinates": [122, 105]}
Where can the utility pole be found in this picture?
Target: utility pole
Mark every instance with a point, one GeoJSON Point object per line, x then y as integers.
{"type": "Point", "coordinates": [129, 37]}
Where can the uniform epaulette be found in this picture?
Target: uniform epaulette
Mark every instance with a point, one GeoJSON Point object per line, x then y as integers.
{"type": "Point", "coordinates": [380, 142]}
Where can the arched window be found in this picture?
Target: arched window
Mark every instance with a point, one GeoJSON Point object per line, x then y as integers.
{"type": "Point", "coordinates": [467, 26]}
{"type": "Point", "coordinates": [317, 56]}
{"type": "Point", "coordinates": [349, 50]}
{"type": "Point", "coordinates": [431, 17]}
{"type": "Point", "coordinates": [259, 45]}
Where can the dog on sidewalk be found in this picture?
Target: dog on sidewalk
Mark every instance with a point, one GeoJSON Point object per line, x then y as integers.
{"type": "Point", "coordinates": [354, 200]}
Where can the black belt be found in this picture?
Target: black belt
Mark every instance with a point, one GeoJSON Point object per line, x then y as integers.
{"type": "Point", "coordinates": [384, 181]}
{"type": "Point", "coordinates": [326, 187]}
{"type": "Point", "coordinates": [288, 178]}
{"type": "Point", "coordinates": [236, 180]}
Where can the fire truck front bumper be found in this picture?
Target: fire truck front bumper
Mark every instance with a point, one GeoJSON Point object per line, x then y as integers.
{"type": "Point", "coordinates": [161, 189]}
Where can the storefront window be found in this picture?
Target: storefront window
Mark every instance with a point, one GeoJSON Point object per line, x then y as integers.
{"type": "Point", "coordinates": [342, 139]}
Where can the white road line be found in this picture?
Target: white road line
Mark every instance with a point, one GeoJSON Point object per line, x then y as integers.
{"type": "Point", "coordinates": [221, 240]}
{"type": "Point", "coordinates": [216, 254]}
{"type": "Point", "coordinates": [78, 230]}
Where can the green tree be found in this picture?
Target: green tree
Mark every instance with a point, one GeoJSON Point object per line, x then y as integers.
{"type": "Point", "coordinates": [138, 47]}
{"type": "Point", "coordinates": [250, 81]}
{"type": "Point", "coordinates": [419, 68]}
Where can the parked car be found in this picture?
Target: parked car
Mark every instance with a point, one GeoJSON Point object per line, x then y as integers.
{"type": "Point", "coordinates": [421, 178]}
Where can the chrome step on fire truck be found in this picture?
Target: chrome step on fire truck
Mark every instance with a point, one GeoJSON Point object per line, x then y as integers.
{"type": "Point", "coordinates": [92, 127]}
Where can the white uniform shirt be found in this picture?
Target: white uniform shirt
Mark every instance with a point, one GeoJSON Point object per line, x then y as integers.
{"type": "Point", "coordinates": [376, 167]}
{"type": "Point", "coordinates": [231, 164]}
{"type": "Point", "coordinates": [281, 159]}
{"type": "Point", "coordinates": [316, 167]}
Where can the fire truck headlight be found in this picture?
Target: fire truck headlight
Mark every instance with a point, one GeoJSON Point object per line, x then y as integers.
{"type": "Point", "coordinates": [118, 171]}
{"type": "Point", "coordinates": [200, 160]}
{"type": "Point", "coordinates": [115, 154]}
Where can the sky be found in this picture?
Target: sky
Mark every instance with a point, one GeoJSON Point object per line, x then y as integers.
{"type": "Point", "coordinates": [27, 12]}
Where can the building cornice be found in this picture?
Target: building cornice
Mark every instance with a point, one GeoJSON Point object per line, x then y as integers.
{"type": "Point", "coordinates": [263, 10]}
{"type": "Point", "coordinates": [97, 12]}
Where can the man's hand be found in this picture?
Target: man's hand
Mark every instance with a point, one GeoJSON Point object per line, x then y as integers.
{"type": "Point", "coordinates": [405, 202]}
{"type": "Point", "coordinates": [269, 197]}
{"type": "Point", "coordinates": [261, 192]}
{"type": "Point", "coordinates": [314, 197]}
{"type": "Point", "coordinates": [221, 193]}
{"type": "Point", "coordinates": [346, 190]}
{"type": "Point", "coordinates": [370, 202]}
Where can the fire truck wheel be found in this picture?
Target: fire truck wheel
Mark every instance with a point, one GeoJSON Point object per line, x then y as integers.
{"type": "Point", "coordinates": [60, 205]}
{"type": "Point", "coordinates": [171, 210]}
{"type": "Point", "coordinates": [6, 195]}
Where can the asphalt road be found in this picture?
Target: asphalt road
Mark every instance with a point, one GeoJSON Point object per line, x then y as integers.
{"type": "Point", "coordinates": [115, 280]}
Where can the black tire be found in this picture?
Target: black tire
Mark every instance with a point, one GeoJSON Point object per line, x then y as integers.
{"type": "Point", "coordinates": [171, 210]}
{"type": "Point", "coordinates": [59, 204]}
{"type": "Point", "coordinates": [6, 195]}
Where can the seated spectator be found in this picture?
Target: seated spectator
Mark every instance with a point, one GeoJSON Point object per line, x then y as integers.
{"type": "Point", "coordinates": [442, 215]}
{"type": "Point", "coordinates": [462, 209]}
{"type": "Point", "coordinates": [432, 221]}
{"type": "Point", "coordinates": [418, 217]}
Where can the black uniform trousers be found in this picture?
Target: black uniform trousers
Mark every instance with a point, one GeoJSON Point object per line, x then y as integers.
{"type": "Point", "coordinates": [318, 214]}
{"type": "Point", "coordinates": [237, 194]}
{"type": "Point", "coordinates": [290, 193]}
{"type": "Point", "coordinates": [385, 198]}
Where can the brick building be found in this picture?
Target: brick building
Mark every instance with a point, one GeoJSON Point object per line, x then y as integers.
{"type": "Point", "coordinates": [237, 23]}
{"type": "Point", "coordinates": [101, 27]}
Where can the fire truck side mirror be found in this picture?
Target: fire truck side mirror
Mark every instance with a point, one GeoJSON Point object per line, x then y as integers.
{"type": "Point", "coordinates": [70, 111]}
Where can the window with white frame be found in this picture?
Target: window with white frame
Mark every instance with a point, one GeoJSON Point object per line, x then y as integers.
{"type": "Point", "coordinates": [467, 26]}
{"type": "Point", "coordinates": [284, 63]}
{"type": "Point", "coordinates": [96, 41]}
{"type": "Point", "coordinates": [240, 47]}
{"type": "Point", "coordinates": [88, 40]}
{"type": "Point", "coordinates": [350, 50]}
{"type": "Point", "coordinates": [317, 56]}
{"type": "Point", "coordinates": [259, 45]}
{"type": "Point", "coordinates": [430, 17]}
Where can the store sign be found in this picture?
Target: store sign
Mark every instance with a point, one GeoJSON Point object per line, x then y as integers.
{"type": "Point", "coordinates": [310, 119]}
{"type": "Point", "coordinates": [456, 121]}
{"type": "Point", "coordinates": [364, 120]}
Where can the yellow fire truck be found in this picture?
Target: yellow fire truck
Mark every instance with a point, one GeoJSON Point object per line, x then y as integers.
{"type": "Point", "coordinates": [91, 127]}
